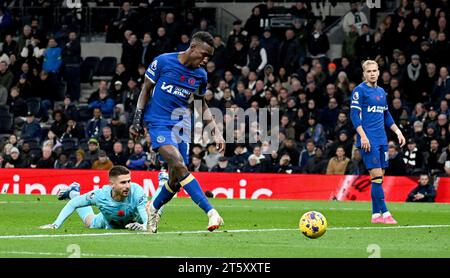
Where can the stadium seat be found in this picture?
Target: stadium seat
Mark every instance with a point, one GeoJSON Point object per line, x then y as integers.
{"type": "Point", "coordinates": [83, 145]}
{"type": "Point", "coordinates": [107, 66]}
{"type": "Point", "coordinates": [69, 145]}
{"type": "Point", "coordinates": [34, 105]}
{"type": "Point", "coordinates": [44, 133]}
{"type": "Point", "coordinates": [84, 114]}
{"type": "Point", "coordinates": [6, 124]}
{"type": "Point", "coordinates": [89, 67]}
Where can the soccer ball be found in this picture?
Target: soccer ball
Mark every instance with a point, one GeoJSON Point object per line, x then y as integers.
{"type": "Point", "coordinates": [313, 224]}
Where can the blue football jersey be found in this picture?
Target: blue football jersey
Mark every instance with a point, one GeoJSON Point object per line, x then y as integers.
{"type": "Point", "coordinates": [174, 85]}
{"type": "Point", "coordinates": [372, 105]}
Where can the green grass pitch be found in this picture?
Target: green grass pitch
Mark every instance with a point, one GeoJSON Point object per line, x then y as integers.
{"type": "Point", "coordinates": [253, 228]}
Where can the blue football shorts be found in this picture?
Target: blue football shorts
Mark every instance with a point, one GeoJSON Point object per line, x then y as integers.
{"type": "Point", "coordinates": [376, 158]}
{"type": "Point", "coordinates": [169, 135]}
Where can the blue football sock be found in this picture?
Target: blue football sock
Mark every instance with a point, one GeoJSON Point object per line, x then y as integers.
{"type": "Point", "coordinates": [382, 201]}
{"type": "Point", "coordinates": [84, 212]}
{"type": "Point", "coordinates": [378, 202]}
{"type": "Point", "coordinates": [162, 197]}
{"type": "Point", "coordinates": [375, 206]}
{"type": "Point", "coordinates": [192, 187]}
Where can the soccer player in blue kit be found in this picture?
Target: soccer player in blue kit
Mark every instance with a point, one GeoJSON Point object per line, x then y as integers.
{"type": "Point", "coordinates": [170, 81]}
{"type": "Point", "coordinates": [369, 114]}
{"type": "Point", "coordinates": [121, 204]}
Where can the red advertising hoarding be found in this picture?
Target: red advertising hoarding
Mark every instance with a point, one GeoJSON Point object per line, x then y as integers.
{"type": "Point", "coordinates": [225, 185]}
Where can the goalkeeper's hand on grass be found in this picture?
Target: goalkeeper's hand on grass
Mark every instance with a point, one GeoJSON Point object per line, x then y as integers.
{"type": "Point", "coordinates": [48, 226]}
{"type": "Point", "coordinates": [136, 227]}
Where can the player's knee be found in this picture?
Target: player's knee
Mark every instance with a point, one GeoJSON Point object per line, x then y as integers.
{"type": "Point", "coordinates": [377, 180]}
{"type": "Point", "coordinates": [179, 169]}
{"type": "Point", "coordinates": [174, 187]}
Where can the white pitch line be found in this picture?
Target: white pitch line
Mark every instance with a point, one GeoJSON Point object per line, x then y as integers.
{"type": "Point", "coordinates": [390, 227]}
{"type": "Point", "coordinates": [85, 254]}
{"type": "Point", "coordinates": [224, 206]}
{"type": "Point", "coordinates": [224, 231]}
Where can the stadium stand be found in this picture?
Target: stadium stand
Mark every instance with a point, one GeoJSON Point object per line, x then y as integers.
{"type": "Point", "coordinates": [313, 64]}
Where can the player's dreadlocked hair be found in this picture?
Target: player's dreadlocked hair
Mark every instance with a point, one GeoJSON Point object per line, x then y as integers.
{"type": "Point", "coordinates": [118, 171]}
{"type": "Point", "coordinates": [202, 36]}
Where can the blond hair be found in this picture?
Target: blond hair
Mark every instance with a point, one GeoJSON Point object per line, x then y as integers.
{"type": "Point", "coordinates": [368, 62]}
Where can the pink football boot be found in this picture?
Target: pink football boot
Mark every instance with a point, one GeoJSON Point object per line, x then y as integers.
{"type": "Point", "coordinates": [389, 220]}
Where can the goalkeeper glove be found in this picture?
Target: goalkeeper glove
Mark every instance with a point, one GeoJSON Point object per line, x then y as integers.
{"type": "Point", "coordinates": [136, 227]}
{"type": "Point", "coordinates": [49, 226]}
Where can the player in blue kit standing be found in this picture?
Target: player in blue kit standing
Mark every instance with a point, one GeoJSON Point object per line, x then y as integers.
{"type": "Point", "coordinates": [170, 81]}
{"type": "Point", "coordinates": [369, 114]}
{"type": "Point", "coordinates": [121, 204]}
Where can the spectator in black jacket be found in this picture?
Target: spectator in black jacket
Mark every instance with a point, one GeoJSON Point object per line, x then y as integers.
{"type": "Point", "coordinates": [253, 166]}
{"type": "Point", "coordinates": [285, 166]}
{"type": "Point", "coordinates": [396, 165]}
{"type": "Point", "coordinates": [288, 53]}
{"type": "Point", "coordinates": [424, 192]}
{"type": "Point", "coordinates": [318, 44]}
{"type": "Point", "coordinates": [118, 157]}
{"type": "Point", "coordinates": [220, 53]}
{"type": "Point", "coordinates": [240, 156]}
{"type": "Point", "coordinates": [432, 161]}
{"type": "Point", "coordinates": [59, 126]}
{"type": "Point", "coordinates": [106, 140]}
{"type": "Point", "coordinates": [119, 129]}
{"type": "Point", "coordinates": [223, 166]}
{"type": "Point", "coordinates": [121, 75]}
{"type": "Point", "coordinates": [253, 25]}
{"type": "Point", "coordinates": [238, 58]}
{"type": "Point", "coordinates": [197, 164]}
{"type": "Point", "coordinates": [237, 34]}
{"type": "Point", "coordinates": [364, 44]}
{"type": "Point", "coordinates": [15, 159]}
{"type": "Point", "coordinates": [131, 54]}
{"type": "Point", "coordinates": [442, 85]}
{"type": "Point", "coordinates": [163, 43]}
{"type": "Point", "coordinates": [71, 56]}
{"type": "Point", "coordinates": [125, 20]}
{"type": "Point", "coordinates": [73, 130]}
{"type": "Point", "coordinates": [148, 50]}
{"type": "Point", "coordinates": [16, 103]}
{"type": "Point", "coordinates": [46, 161]}
{"type": "Point", "coordinates": [69, 109]}
{"type": "Point", "coordinates": [271, 45]}
{"type": "Point", "coordinates": [31, 128]}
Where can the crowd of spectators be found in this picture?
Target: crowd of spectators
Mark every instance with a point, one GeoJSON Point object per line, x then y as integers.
{"type": "Point", "coordinates": [252, 68]}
